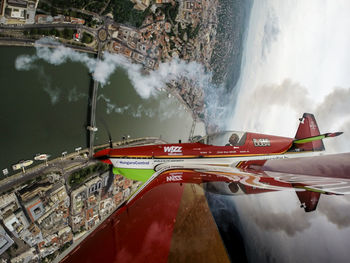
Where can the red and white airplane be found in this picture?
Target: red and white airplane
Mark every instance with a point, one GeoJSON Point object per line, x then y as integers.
{"type": "Point", "coordinates": [220, 149]}
{"type": "Point", "coordinates": [211, 202]}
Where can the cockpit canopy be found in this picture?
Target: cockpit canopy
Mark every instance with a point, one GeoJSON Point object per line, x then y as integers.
{"type": "Point", "coordinates": [226, 138]}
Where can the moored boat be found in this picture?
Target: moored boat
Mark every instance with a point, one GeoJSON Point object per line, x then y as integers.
{"type": "Point", "coordinates": [22, 164]}
{"type": "Point", "coordinates": [41, 157]}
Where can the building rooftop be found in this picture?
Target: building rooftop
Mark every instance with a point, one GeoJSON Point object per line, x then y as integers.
{"type": "Point", "coordinates": [33, 190]}
{"type": "Point", "coordinates": [17, 3]}
{"type": "Point", "coordinates": [5, 240]}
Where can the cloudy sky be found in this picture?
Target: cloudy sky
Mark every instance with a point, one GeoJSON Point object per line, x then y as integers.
{"type": "Point", "coordinates": [296, 60]}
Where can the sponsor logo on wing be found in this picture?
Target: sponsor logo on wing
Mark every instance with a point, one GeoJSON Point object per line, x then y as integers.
{"type": "Point", "coordinates": [134, 162]}
{"type": "Point", "coordinates": [173, 149]}
{"type": "Point", "coordinates": [173, 178]}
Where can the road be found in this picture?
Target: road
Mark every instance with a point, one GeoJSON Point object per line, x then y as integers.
{"type": "Point", "coordinates": [58, 166]}
{"type": "Point", "coordinates": [9, 41]}
{"type": "Point", "coordinates": [69, 164]}
{"type": "Point", "coordinates": [92, 31]}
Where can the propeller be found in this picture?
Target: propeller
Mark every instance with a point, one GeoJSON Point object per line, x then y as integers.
{"type": "Point", "coordinates": [108, 132]}
{"type": "Point", "coordinates": [106, 156]}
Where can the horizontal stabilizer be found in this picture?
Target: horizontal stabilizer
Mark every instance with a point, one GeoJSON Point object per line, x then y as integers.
{"type": "Point", "coordinates": [318, 137]}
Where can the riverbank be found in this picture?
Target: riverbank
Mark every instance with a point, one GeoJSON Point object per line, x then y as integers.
{"type": "Point", "coordinates": [219, 49]}
{"type": "Point", "coordinates": [201, 42]}
{"type": "Point", "coordinates": [233, 18]}
{"type": "Point", "coordinates": [51, 101]}
{"type": "Point", "coordinates": [27, 42]}
{"type": "Point", "coordinates": [212, 36]}
{"type": "Point", "coordinates": [67, 163]}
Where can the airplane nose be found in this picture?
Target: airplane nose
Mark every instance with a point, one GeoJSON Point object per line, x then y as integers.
{"type": "Point", "coordinates": [102, 155]}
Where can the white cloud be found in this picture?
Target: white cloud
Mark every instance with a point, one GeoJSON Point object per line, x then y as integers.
{"type": "Point", "coordinates": [271, 31]}
{"type": "Point", "coordinates": [145, 84]}
{"type": "Point", "coordinates": [25, 62]}
{"type": "Point", "coordinates": [336, 209]}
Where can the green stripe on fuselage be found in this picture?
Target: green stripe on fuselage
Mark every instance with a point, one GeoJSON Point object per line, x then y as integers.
{"type": "Point", "coordinates": [134, 174]}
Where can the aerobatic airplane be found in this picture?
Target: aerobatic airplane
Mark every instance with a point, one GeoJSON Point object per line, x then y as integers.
{"type": "Point", "coordinates": [220, 149]}
{"type": "Point", "coordinates": [210, 202]}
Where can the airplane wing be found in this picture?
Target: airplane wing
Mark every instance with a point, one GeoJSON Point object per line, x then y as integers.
{"type": "Point", "coordinates": [288, 210]}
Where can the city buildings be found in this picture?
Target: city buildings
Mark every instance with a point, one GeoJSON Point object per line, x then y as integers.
{"type": "Point", "coordinates": [5, 240]}
{"type": "Point", "coordinates": [27, 256]}
{"type": "Point", "coordinates": [59, 19]}
{"type": "Point", "coordinates": [50, 214]}
{"type": "Point", "coordinates": [18, 11]}
{"type": "Point", "coordinates": [16, 223]}
{"type": "Point", "coordinates": [47, 216]}
{"type": "Point", "coordinates": [8, 204]}
{"type": "Point", "coordinates": [141, 4]}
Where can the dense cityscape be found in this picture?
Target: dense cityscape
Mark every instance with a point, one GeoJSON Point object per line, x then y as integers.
{"type": "Point", "coordinates": [156, 32]}
{"type": "Point", "coordinates": [76, 73]}
{"type": "Point", "coordinates": [54, 208]}
{"type": "Point", "coordinates": [45, 215]}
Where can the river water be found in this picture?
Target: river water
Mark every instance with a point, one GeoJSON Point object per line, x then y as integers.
{"type": "Point", "coordinates": [44, 109]}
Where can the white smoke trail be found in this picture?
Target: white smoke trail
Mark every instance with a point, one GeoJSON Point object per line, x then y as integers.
{"type": "Point", "coordinates": [25, 62]}
{"type": "Point", "coordinates": [111, 107]}
{"type": "Point", "coordinates": [165, 105]}
{"type": "Point", "coordinates": [145, 84]}
{"type": "Point", "coordinates": [162, 112]}
{"type": "Point", "coordinates": [336, 210]}
{"type": "Point", "coordinates": [53, 92]}
{"type": "Point", "coordinates": [135, 112]}
{"type": "Point", "coordinates": [74, 95]}
{"type": "Point", "coordinates": [277, 107]}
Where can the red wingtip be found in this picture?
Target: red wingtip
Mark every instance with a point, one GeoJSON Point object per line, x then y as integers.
{"type": "Point", "coordinates": [334, 134]}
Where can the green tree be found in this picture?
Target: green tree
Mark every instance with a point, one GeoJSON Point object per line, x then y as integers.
{"type": "Point", "coordinates": [60, 33]}
{"type": "Point", "coordinates": [68, 33]}
{"type": "Point", "coordinates": [34, 31]}
{"type": "Point", "coordinates": [53, 11]}
{"type": "Point", "coordinates": [124, 12]}
{"type": "Point", "coordinates": [87, 38]}
{"type": "Point", "coordinates": [53, 32]}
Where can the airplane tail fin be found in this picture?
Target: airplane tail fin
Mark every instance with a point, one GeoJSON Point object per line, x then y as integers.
{"type": "Point", "coordinates": [308, 137]}
{"type": "Point", "coordinates": [308, 128]}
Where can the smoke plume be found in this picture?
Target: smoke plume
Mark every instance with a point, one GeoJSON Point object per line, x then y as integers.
{"type": "Point", "coordinates": [145, 84]}
{"type": "Point", "coordinates": [277, 107]}
{"type": "Point", "coordinates": [53, 92]}
{"type": "Point", "coordinates": [336, 209]}
{"type": "Point", "coordinates": [141, 110]}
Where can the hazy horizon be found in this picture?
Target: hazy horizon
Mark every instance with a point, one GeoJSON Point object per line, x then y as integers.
{"type": "Point", "coordinates": [295, 61]}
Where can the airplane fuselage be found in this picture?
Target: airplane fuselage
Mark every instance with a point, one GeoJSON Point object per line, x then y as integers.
{"type": "Point", "coordinates": [139, 163]}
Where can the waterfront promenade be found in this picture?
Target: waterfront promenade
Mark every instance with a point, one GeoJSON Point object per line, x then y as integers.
{"type": "Point", "coordinates": [27, 42]}
{"type": "Point", "coordinates": [69, 163]}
